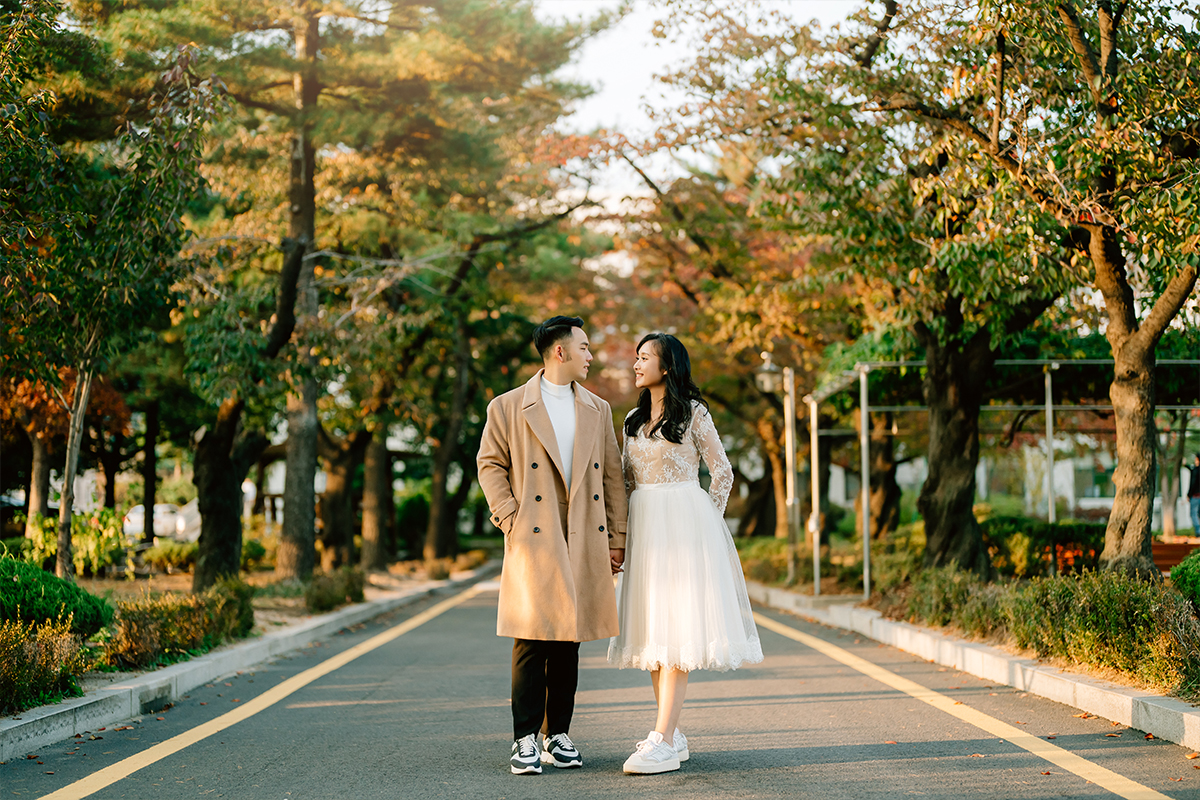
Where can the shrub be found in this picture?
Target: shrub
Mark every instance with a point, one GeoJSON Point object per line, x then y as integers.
{"type": "Point", "coordinates": [166, 628]}
{"type": "Point", "coordinates": [1185, 576]}
{"type": "Point", "coordinates": [327, 591]}
{"type": "Point", "coordinates": [171, 556]}
{"type": "Point", "coordinates": [40, 662]}
{"type": "Point", "coordinates": [98, 540]}
{"type": "Point", "coordinates": [253, 552]}
{"type": "Point", "coordinates": [1023, 547]}
{"type": "Point", "coordinates": [938, 593]}
{"type": "Point", "coordinates": [15, 547]}
{"type": "Point", "coordinates": [32, 595]}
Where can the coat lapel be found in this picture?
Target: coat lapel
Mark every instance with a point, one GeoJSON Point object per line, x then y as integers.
{"type": "Point", "coordinates": [534, 411]}
{"type": "Point", "coordinates": [587, 427]}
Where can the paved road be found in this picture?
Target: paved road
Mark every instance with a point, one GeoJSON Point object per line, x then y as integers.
{"type": "Point", "coordinates": [425, 715]}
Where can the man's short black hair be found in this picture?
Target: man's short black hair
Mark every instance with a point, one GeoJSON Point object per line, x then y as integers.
{"type": "Point", "coordinates": [553, 331]}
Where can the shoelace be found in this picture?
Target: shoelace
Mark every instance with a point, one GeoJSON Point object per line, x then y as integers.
{"type": "Point", "coordinates": [645, 746]}
{"type": "Point", "coordinates": [526, 747]}
{"type": "Point", "coordinates": [563, 741]}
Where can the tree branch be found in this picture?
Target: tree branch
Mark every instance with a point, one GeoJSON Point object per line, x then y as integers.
{"type": "Point", "coordinates": [997, 112]}
{"type": "Point", "coordinates": [1087, 58]}
{"type": "Point", "coordinates": [285, 303]}
{"type": "Point", "coordinates": [1168, 305]}
{"type": "Point", "coordinates": [865, 58]}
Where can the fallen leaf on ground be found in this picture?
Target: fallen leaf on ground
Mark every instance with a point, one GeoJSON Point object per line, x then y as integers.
{"type": "Point", "coordinates": [1149, 735]}
{"type": "Point", "coordinates": [953, 687]}
{"type": "Point", "coordinates": [1174, 779]}
{"type": "Point", "coordinates": [958, 702]}
{"type": "Point", "coordinates": [976, 755]}
{"type": "Point", "coordinates": [99, 729]}
{"type": "Point", "coordinates": [236, 700]}
{"type": "Point", "coordinates": [1045, 773]}
{"type": "Point", "coordinates": [1020, 723]}
{"type": "Point", "coordinates": [1051, 737]}
{"type": "Point", "coordinates": [889, 741]}
{"type": "Point", "coordinates": [1192, 755]}
{"type": "Point", "coordinates": [1085, 715]}
{"type": "Point", "coordinates": [204, 704]}
{"type": "Point", "coordinates": [51, 772]}
{"type": "Point", "coordinates": [160, 718]}
{"type": "Point", "coordinates": [1112, 734]}
{"type": "Point", "coordinates": [991, 694]}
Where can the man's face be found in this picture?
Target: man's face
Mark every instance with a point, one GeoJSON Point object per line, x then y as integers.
{"type": "Point", "coordinates": [575, 355]}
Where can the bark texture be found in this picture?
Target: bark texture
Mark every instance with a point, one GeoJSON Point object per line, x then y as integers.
{"type": "Point", "coordinates": [150, 470]}
{"type": "Point", "coordinates": [342, 458]}
{"type": "Point", "coordinates": [64, 565]}
{"type": "Point", "coordinates": [39, 483]}
{"type": "Point", "coordinates": [440, 535]}
{"type": "Point", "coordinates": [953, 385]}
{"type": "Point", "coordinates": [377, 502]}
{"type": "Point", "coordinates": [885, 491]}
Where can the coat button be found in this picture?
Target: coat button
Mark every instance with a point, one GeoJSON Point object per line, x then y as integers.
{"type": "Point", "coordinates": [595, 497]}
{"type": "Point", "coordinates": [596, 465]}
{"type": "Point", "coordinates": [537, 530]}
{"type": "Point", "coordinates": [538, 498]}
{"type": "Point", "coordinates": [602, 529]}
{"type": "Point", "coordinates": [535, 465]}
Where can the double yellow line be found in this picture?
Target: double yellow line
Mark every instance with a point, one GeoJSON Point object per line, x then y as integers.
{"type": "Point", "coordinates": [122, 769]}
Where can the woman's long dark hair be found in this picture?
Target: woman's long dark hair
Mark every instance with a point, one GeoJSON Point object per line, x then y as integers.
{"type": "Point", "coordinates": [681, 391]}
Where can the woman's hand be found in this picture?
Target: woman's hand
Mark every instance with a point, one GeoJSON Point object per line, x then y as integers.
{"type": "Point", "coordinates": [616, 558]}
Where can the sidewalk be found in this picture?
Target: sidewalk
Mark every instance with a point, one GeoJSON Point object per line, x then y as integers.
{"type": "Point", "coordinates": [1165, 717]}
{"type": "Point", "coordinates": [116, 702]}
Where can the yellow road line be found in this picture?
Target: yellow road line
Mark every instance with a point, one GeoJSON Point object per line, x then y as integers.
{"type": "Point", "coordinates": [1065, 759]}
{"type": "Point", "coordinates": [122, 769]}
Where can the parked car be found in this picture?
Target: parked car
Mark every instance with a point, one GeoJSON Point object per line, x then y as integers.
{"type": "Point", "coordinates": [165, 516]}
{"type": "Point", "coordinates": [187, 522]}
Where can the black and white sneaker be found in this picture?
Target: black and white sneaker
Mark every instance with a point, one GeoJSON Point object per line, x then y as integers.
{"type": "Point", "coordinates": [560, 751]}
{"type": "Point", "coordinates": [526, 756]}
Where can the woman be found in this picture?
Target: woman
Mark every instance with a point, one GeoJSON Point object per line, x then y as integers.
{"type": "Point", "coordinates": [682, 601]}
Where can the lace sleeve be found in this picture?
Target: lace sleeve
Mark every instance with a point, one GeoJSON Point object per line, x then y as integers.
{"type": "Point", "coordinates": [626, 462]}
{"type": "Point", "coordinates": [708, 443]}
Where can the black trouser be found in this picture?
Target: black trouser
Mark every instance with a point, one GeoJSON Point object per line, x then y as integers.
{"type": "Point", "coordinates": [544, 677]}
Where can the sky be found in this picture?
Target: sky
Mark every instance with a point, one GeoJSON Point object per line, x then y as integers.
{"type": "Point", "coordinates": [622, 63]}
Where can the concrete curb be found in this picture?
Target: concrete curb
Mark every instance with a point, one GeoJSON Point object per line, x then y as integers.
{"type": "Point", "coordinates": [1165, 717]}
{"type": "Point", "coordinates": [122, 701]}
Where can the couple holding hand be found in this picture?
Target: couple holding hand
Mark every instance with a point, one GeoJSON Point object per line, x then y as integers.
{"type": "Point", "coordinates": [562, 492]}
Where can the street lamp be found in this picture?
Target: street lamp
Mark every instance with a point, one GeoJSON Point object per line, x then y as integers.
{"type": "Point", "coordinates": [769, 379]}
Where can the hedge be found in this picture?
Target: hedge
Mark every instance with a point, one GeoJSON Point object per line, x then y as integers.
{"type": "Point", "coordinates": [30, 594]}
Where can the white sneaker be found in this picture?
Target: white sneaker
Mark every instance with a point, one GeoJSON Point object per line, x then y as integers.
{"type": "Point", "coordinates": [653, 755]}
{"type": "Point", "coordinates": [560, 751]}
{"type": "Point", "coordinates": [526, 756]}
{"type": "Point", "coordinates": [681, 746]}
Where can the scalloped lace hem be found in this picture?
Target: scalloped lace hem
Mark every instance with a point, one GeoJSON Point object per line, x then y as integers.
{"type": "Point", "coordinates": [716, 658]}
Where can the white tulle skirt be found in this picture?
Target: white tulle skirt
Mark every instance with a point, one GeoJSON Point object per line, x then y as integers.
{"type": "Point", "coordinates": [681, 600]}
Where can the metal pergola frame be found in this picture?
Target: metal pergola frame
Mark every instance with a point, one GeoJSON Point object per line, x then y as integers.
{"type": "Point", "coordinates": [860, 372]}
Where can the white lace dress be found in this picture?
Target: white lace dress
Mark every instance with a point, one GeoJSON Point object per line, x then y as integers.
{"type": "Point", "coordinates": [681, 600]}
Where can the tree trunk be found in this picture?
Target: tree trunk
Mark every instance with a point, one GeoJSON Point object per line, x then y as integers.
{"type": "Point", "coordinates": [223, 459]}
{"type": "Point", "coordinates": [1169, 474]}
{"type": "Point", "coordinates": [377, 502]}
{"type": "Point", "coordinates": [342, 457]}
{"type": "Point", "coordinates": [436, 545]}
{"type": "Point", "coordinates": [150, 471]}
{"type": "Point", "coordinates": [39, 485]}
{"type": "Point", "coordinates": [110, 462]}
{"type": "Point", "coordinates": [952, 385]}
{"type": "Point", "coordinates": [775, 459]}
{"type": "Point", "coordinates": [65, 565]}
{"type": "Point", "coordinates": [297, 552]}
{"type": "Point", "coordinates": [885, 491]}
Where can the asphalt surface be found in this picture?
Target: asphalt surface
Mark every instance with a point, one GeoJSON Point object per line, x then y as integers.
{"type": "Point", "coordinates": [426, 716]}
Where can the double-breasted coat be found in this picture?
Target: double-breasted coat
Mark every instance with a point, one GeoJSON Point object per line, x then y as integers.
{"type": "Point", "coordinates": [556, 583]}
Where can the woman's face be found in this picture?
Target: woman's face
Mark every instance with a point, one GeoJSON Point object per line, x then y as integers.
{"type": "Point", "coordinates": [647, 369]}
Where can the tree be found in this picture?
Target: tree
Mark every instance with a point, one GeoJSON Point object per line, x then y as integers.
{"type": "Point", "coordinates": [83, 267]}
{"type": "Point", "coordinates": [1087, 112]}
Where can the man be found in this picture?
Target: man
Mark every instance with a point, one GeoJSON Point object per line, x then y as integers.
{"type": "Point", "coordinates": [1194, 495]}
{"type": "Point", "coordinates": [550, 468]}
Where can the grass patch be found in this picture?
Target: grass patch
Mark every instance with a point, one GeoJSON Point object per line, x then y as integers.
{"type": "Point", "coordinates": [40, 663]}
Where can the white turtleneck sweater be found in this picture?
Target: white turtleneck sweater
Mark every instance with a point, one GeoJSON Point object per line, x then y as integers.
{"type": "Point", "coordinates": [560, 405]}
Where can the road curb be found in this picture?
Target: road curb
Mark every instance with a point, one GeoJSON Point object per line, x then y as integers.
{"type": "Point", "coordinates": [39, 727]}
{"type": "Point", "coordinates": [1165, 717]}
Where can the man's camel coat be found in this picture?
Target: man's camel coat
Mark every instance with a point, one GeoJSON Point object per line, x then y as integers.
{"type": "Point", "coordinates": [556, 583]}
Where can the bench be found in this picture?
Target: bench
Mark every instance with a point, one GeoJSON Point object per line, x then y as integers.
{"type": "Point", "coordinates": [1168, 554]}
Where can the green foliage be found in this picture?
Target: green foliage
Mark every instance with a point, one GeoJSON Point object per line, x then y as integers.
{"type": "Point", "coordinates": [171, 556]}
{"type": "Point", "coordinates": [1099, 619]}
{"type": "Point", "coordinates": [1023, 547]}
{"type": "Point", "coordinates": [40, 662]}
{"type": "Point", "coordinates": [16, 547]}
{"type": "Point", "coordinates": [32, 595]}
{"type": "Point", "coordinates": [167, 628]}
{"type": "Point", "coordinates": [327, 591]}
{"type": "Point", "coordinates": [253, 553]}
{"type": "Point", "coordinates": [1185, 576]}
{"type": "Point", "coordinates": [98, 541]}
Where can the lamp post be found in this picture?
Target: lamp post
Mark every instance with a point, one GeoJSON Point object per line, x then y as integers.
{"type": "Point", "coordinates": [769, 379]}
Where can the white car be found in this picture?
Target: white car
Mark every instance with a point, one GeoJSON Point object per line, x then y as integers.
{"type": "Point", "coordinates": [165, 515]}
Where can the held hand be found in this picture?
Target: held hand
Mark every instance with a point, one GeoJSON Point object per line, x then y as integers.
{"type": "Point", "coordinates": [616, 559]}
